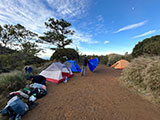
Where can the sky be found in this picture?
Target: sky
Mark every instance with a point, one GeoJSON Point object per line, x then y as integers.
{"type": "Point", "coordinates": [101, 26]}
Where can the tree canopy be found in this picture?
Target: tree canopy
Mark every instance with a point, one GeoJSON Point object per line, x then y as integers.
{"type": "Point", "coordinates": [65, 54]}
{"type": "Point", "coordinates": [14, 35]}
{"type": "Point", "coordinates": [18, 35]}
{"type": "Point", "coordinates": [149, 46]}
{"type": "Point", "coordinates": [59, 31]}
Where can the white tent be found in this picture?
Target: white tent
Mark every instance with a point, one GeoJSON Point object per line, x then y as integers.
{"type": "Point", "coordinates": [56, 72]}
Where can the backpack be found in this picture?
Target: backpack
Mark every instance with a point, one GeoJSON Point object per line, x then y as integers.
{"type": "Point", "coordinates": [40, 92]}
{"type": "Point", "coordinates": [15, 107]}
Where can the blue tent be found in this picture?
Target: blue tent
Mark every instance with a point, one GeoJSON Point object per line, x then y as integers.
{"type": "Point", "coordinates": [74, 67]}
{"type": "Point", "coordinates": [93, 63]}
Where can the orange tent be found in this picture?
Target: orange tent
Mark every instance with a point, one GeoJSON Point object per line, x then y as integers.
{"type": "Point", "coordinates": [121, 64]}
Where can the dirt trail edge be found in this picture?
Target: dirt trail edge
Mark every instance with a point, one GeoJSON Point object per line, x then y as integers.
{"type": "Point", "coordinates": [96, 96]}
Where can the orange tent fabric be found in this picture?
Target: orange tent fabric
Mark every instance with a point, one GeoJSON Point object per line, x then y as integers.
{"type": "Point", "coordinates": [121, 64]}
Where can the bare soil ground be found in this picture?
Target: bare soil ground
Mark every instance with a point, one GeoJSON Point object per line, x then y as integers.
{"type": "Point", "coordinates": [96, 96]}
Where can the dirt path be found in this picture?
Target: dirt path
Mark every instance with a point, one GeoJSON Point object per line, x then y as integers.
{"type": "Point", "coordinates": [97, 96]}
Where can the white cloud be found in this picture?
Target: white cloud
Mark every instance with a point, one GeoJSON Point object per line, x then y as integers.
{"type": "Point", "coordinates": [33, 13]}
{"type": "Point", "coordinates": [106, 42]}
{"type": "Point", "coordinates": [94, 52]}
{"type": "Point", "coordinates": [81, 37]}
{"type": "Point", "coordinates": [68, 8]}
{"type": "Point", "coordinates": [131, 26]}
{"type": "Point", "coordinates": [101, 52]}
{"type": "Point", "coordinates": [145, 34]}
{"type": "Point", "coordinates": [46, 54]}
{"type": "Point", "coordinates": [100, 18]}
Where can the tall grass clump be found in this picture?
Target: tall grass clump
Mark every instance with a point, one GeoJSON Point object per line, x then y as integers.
{"type": "Point", "coordinates": [152, 76]}
{"type": "Point", "coordinates": [10, 82]}
{"type": "Point", "coordinates": [143, 73]}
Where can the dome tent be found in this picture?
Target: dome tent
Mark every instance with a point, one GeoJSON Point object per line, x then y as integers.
{"type": "Point", "coordinates": [56, 72]}
{"type": "Point", "coordinates": [121, 64]}
{"type": "Point", "coordinates": [74, 66]}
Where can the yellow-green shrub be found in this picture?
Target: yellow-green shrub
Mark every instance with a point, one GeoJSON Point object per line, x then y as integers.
{"type": "Point", "coordinates": [144, 73]}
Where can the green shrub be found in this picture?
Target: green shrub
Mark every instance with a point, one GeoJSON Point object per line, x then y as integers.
{"type": "Point", "coordinates": [114, 58]}
{"type": "Point", "coordinates": [104, 60]}
{"type": "Point", "coordinates": [16, 61]}
{"type": "Point", "coordinates": [149, 46]}
{"type": "Point", "coordinates": [10, 62]}
{"type": "Point", "coordinates": [128, 57]}
{"type": "Point", "coordinates": [10, 82]}
{"type": "Point", "coordinates": [4, 63]}
{"type": "Point", "coordinates": [62, 54]}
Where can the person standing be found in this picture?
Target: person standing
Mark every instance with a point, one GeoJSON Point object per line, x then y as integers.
{"type": "Point", "coordinates": [28, 71]}
{"type": "Point", "coordinates": [84, 65]}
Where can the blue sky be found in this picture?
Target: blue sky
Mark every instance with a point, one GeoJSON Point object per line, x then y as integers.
{"type": "Point", "coordinates": [101, 26]}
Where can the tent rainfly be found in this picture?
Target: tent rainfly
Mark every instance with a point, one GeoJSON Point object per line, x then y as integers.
{"type": "Point", "coordinates": [121, 64]}
{"type": "Point", "coordinates": [56, 72]}
{"type": "Point", "coordinates": [74, 66]}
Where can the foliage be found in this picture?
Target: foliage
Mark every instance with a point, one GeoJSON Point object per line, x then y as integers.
{"type": "Point", "coordinates": [64, 54]}
{"type": "Point", "coordinates": [104, 60]}
{"type": "Point", "coordinates": [147, 46]}
{"type": "Point", "coordinates": [58, 32]}
{"type": "Point", "coordinates": [14, 35]}
{"type": "Point", "coordinates": [10, 62]}
{"type": "Point", "coordinates": [30, 49]}
{"type": "Point", "coordinates": [16, 60]}
{"type": "Point", "coordinates": [127, 57]}
{"type": "Point", "coordinates": [113, 58]}
{"type": "Point", "coordinates": [152, 75]}
{"type": "Point", "coordinates": [10, 82]}
{"type": "Point", "coordinates": [144, 73]}
{"type": "Point", "coordinates": [7, 35]}
{"type": "Point", "coordinates": [4, 50]}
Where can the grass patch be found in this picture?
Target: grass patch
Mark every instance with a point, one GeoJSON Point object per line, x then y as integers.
{"type": "Point", "coordinates": [10, 82]}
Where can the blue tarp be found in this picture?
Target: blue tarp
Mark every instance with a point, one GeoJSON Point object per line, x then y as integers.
{"type": "Point", "coordinates": [93, 63]}
{"type": "Point", "coordinates": [74, 67]}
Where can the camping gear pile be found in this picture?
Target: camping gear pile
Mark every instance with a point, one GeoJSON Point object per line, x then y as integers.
{"type": "Point", "coordinates": [23, 100]}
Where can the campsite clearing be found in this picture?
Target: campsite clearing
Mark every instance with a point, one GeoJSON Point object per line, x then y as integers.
{"type": "Point", "coordinates": [96, 96]}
